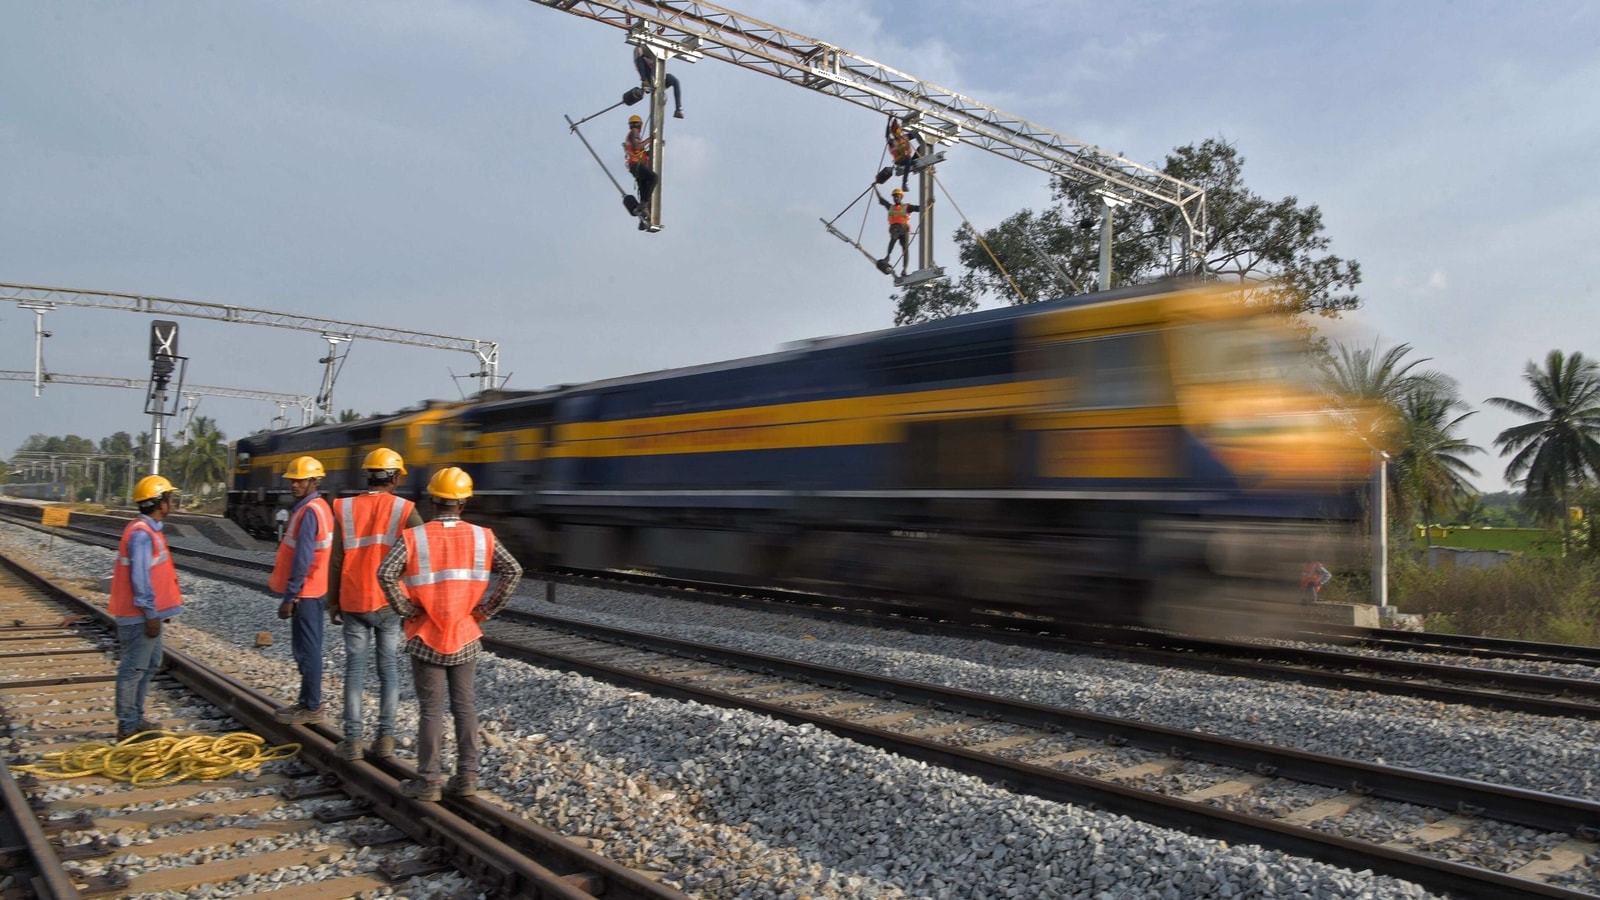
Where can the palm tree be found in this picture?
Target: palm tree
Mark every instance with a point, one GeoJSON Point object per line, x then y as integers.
{"type": "Point", "coordinates": [1428, 469]}
{"type": "Point", "coordinates": [204, 460]}
{"type": "Point", "coordinates": [1559, 448]}
{"type": "Point", "coordinates": [1372, 386]}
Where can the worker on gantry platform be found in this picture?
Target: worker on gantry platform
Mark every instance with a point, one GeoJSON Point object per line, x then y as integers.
{"type": "Point", "coordinates": [899, 229]}
{"type": "Point", "coordinates": [636, 154]}
{"type": "Point", "coordinates": [644, 60]}
{"type": "Point", "coordinates": [900, 150]}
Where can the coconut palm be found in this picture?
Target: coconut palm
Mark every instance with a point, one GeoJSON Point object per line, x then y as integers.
{"type": "Point", "coordinates": [1373, 385]}
{"type": "Point", "coordinates": [1427, 469]}
{"type": "Point", "coordinates": [1559, 448]}
{"type": "Point", "coordinates": [203, 461]}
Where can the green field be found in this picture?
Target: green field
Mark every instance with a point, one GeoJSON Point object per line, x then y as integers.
{"type": "Point", "coordinates": [1527, 541]}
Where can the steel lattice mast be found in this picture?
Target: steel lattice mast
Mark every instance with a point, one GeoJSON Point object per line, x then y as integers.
{"type": "Point", "coordinates": [755, 45]}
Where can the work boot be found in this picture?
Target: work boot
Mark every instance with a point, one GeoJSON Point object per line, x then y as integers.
{"type": "Point", "coordinates": [299, 715]}
{"type": "Point", "coordinates": [461, 786]}
{"type": "Point", "coordinates": [144, 727]}
{"type": "Point", "coordinates": [348, 748]}
{"type": "Point", "coordinates": [382, 748]}
{"type": "Point", "coordinates": [678, 113]}
{"type": "Point", "coordinates": [417, 789]}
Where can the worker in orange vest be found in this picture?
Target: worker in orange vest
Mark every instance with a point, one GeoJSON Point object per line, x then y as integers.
{"type": "Point", "coordinates": [300, 580]}
{"type": "Point", "coordinates": [364, 528]}
{"type": "Point", "coordinates": [899, 229]}
{"type": "Point", "coordinates": [437, 580]}
{"type": "Point", "coordinates": [900, 150]}
{"type": "Point", "coordinates": [636, 155]}
{"type": "Point", "coordinates": [144, 593]}
{"type": "Point", "coordinates": [1312, 578]}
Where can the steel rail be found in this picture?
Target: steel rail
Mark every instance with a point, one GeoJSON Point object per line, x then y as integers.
{"type": "Point", "coordinates": [1049, 784]}
{"type": "Point", "coordinates": [486, 854]}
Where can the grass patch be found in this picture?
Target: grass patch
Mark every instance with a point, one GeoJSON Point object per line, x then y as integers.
{"type": "Point", "coordinates": [1541, 542]}
{"type": "Point", "coordinates": [1530, 598]}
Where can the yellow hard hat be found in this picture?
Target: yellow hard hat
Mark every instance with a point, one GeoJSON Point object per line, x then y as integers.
{"type": "Point", "coordinates": [151, 487]}
{"type": "Point", "coordinates": [897, 193]}
{"type": "Point", "coordinates": [384, 458]}
{"type": "Point", "coordinates": [450, 484]}
{"type": "Point", "coordinates": [635, 120]}
{"type": "Point", "coordinates": [305, 467]}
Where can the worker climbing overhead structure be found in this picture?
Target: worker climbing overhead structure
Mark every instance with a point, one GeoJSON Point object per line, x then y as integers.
{"type": "Point", "coordinates": [664, 49]}
{"type": "Point", "coordinates": [934, 113]}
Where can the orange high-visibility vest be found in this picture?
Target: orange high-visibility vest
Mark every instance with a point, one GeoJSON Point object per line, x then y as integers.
{"type": "Point", "coordinates": [163, 574]}
{"type": "Point", "coordinates": [447, 573]}
{"type": "Point", "coordinates": [900, 147]}
{"type": "Point", "coordinates": [900, 214]}
{"type": "Point", "coordinates": [368, 526]}
{"type": "Point", "coordinates": [1309, 576]}
{"type": "Point", "coordinates": [636, 153]}
{"type": "Point", "coordinates": [321, 536]}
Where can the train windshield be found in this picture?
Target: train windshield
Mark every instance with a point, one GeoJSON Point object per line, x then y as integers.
{"type": "Point", "coordinates": [1244, 352]}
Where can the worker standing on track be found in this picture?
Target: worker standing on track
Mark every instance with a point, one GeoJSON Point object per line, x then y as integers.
{"type": "Point", "coordinates": [436, 579]}
{"type": "Point", "coordinates": [1312, 579]}
{"type": "Point", "coordinates": [364, 528]}
{"type": "Point", "coordinates": [300, 579]}
{"type": "Point", "coordinates": [899, 229]}
{"type": "Point", "coordinates": [636, 153]}
{"type": "Point", "coordinates": [144, 593]}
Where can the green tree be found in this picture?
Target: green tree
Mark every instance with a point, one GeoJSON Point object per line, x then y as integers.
{"type": "Point", "coordinates": [348, 415]}
{"type": "Point", "coordinates": [1372, 387]}
{"type": "Point", "coordinates": [1428, 468]}
{"type": "Point", "coordinates": [203, 461]}
{"type": "Point", "coordinates": [117, 448]}
{"type": "Point", "coordinates": [1558, 449]}
{"type": "Point", "coordinates": [1033, 256]}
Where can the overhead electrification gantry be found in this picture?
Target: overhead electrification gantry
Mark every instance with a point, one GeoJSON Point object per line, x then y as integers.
{"type": "Point", "coordinates": [304, 403]}
{"type": "Point", "coordinates": [933, 113]}
{"type": "Point", "coordinates": [333, 331]}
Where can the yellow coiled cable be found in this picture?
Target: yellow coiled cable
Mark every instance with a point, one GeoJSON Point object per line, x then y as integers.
{"type": "Point", "coordinates": [166, 758]}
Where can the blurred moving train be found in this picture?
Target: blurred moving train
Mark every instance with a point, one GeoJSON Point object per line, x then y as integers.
{"type": "Point", "coordinates": [40, 490]}
{"type": "Point", "coordinates": [1156, 455]}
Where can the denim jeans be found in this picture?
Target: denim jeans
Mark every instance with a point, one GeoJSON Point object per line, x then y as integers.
{"type": "Point", "coordinates": [432, 684]}
{"type": "Point", "coordinates": [141, 656]}
{"type": "Point", "coordinates": [364, 632]}
{"type": "Point", "coordinates": [306, 641]}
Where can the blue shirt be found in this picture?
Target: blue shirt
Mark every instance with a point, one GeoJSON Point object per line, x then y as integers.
{"type": "Point", "coordinates": [305, 548]}
{"type": "Point", "coordinates": [144, 598]}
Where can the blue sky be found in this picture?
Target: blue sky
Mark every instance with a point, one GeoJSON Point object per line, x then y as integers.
{"type": "Point", "coordinates": [406, 163]}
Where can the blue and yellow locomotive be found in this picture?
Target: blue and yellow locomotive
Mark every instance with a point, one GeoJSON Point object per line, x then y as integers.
{"type": "Point", "coordinates": [1144, 455]}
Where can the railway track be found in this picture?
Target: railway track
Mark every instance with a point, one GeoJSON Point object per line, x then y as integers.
{"type": "Point", "coordinates": [1490, 688]}
{"type": "Point", "coordinates": [1182, 779]}
{"type": "Point", "coordinates": [1464, 814]}
{"type": "Point", "coordinates": [313, 826]}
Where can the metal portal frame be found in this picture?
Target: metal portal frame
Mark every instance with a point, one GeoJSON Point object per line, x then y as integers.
{"type": "Point", "coordinates": [306, 404]}
{"type": "Point", "coordinates": [486, 352]}
{"type": "Point", "coordinates": [755, 45]}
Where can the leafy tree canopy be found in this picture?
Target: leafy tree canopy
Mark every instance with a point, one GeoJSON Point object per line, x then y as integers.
{"type": "Point", "coordinates": [1034, 256]}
